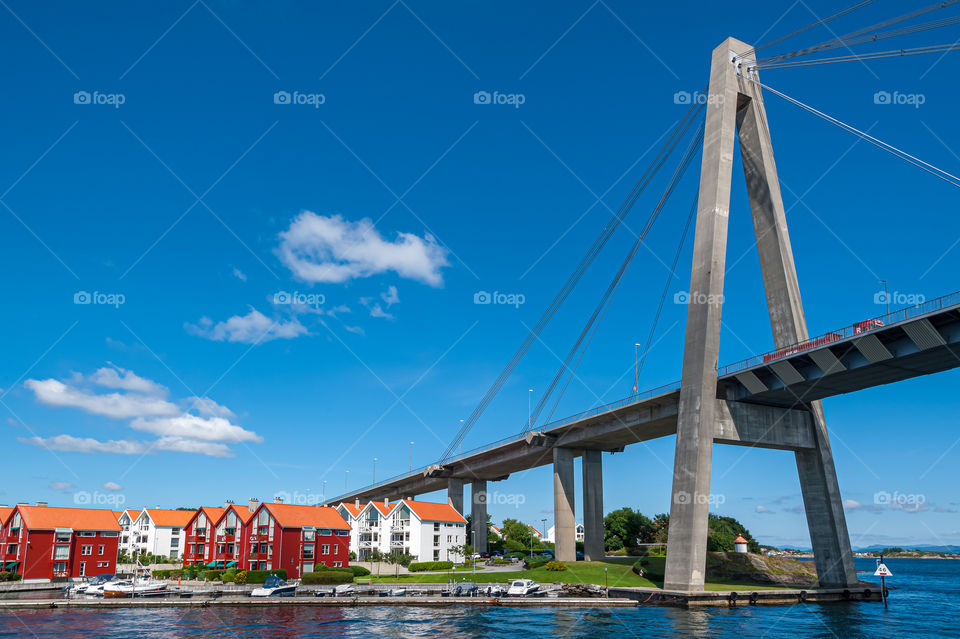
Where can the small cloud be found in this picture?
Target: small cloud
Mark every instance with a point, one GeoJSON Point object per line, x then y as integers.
{"type": "Point", "coordinates": [390, 297]}
{"type": "Point", "coordinates": [64, 486]}
{"type": "Point", "coordinates": [252, 328]}
{"type": "Point", "coordinates": [944, 509]}
{"type": "Point", "coordinates": [206, 406]}
{"type": "Point", "coordinates": [763, 510]}
{"type": "Point", "coordinates": [377, 311]}
{"type": "Point", "coordinates": [120, 378]}
{"type": "Point", "coordinates": [240, 275]}
{"type": "Point", "coordinates": [783, 498]}
{"type": "Point", "coordinates": [112, 485]}
{"type": "Point", "coordinates": [355, 329]}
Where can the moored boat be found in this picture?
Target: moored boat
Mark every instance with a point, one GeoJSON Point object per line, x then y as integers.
{"type": "Point", "coordinates": [275, 587]}
{"type": "Point", "coordinates": [522, 587]}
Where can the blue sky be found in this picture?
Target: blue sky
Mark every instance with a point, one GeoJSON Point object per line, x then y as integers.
{"type": "Point", "coordinates": [193, 163]}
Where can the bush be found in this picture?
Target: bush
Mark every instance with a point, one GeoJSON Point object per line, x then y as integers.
{"type": "Point", "coordinates": [241, 577]}
{"type": "Point", "coordinates": [536, 564]}
{"type": "Point", "coordinates": [229, 575]}
{"type": "Point", "coordinates": [167, 574]}
{"type": "Point", "coordinates": [260, 576]}
{"type": "Point", "coordinates": [327, 577]}
{"type": "Point", "coordinates": [358, 571]}
{"type": "Point", "coordinates": [556, 566]}
{"type": "Point", "coordinates": [211, 575]}
{"type": "Point", "coordinates": [353, 556]}
{"type": "Point", "coordinates": [421, 566]}
{"type": "Point", "coordinates": [9, 576]}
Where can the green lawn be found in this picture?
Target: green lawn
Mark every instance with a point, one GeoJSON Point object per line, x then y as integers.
{"type": "Point", "coordinates": [618, 573]}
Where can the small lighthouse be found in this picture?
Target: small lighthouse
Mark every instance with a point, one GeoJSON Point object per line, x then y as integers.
{"type": "Point", "coordinates": [740, 544]}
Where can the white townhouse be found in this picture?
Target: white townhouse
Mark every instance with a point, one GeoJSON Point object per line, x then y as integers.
{"type": "Point", "coordinates": [126, 518]}
{"type": "Point", "coordinates": [551, 534]}
{"type": "Point", "coordinates": [427, 531]}
{"type": "Point", "coordinates": [160, 532]}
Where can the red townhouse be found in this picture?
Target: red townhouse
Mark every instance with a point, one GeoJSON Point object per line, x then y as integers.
{"type": "Point", "coordinates": [5, 512]}
{"type": "Point", "coordinates": [297, 538]}
{"type": "Point", "coordinates": [46, 544]}
{"type": "Point", "coordinates": [232, 535]}
{"type": "Point", "coordinates": [200, 543]}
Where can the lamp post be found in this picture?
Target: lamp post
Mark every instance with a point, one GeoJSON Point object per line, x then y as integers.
{"type": "Point", "coordinates": [543, 528]}
{"type": "Point", "coordinates": [460, 445]}
{"type": "Point", "coordinates": [529, 396]}
{"type": "Point", "coordinates": [374, 470]}
{"type": "Point", "coordinates": [473, 537]}
{"type": "Point", "coordinates": [411, 456]}
{"type": "Point", "coordinates": [636, 372]}
{"type": "Point", "coordinates": [886, 295]}
{"type": "Point", "coordinates": [346, 477]}
{"type": "Point", "coordinates": [323, 493]}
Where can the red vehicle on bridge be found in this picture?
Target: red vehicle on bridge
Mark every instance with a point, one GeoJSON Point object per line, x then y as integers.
{"type": "Point", "coordinates": [858, 329]}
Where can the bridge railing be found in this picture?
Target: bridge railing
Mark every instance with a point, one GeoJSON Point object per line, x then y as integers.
{"type": "Point", "coordinates": [858, 328]}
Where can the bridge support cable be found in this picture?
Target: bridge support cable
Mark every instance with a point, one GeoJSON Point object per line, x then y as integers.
{"type": "Point", "coordinates": [889, 148]}
{"type": "Point", "coordinates": [646, 350]}
{"type": "Point", "coordinates": [589, 330]}
{"type": "Point", "coordinates": [867, 34]}
{"type": "Point", "coordinates": [862, 57]}
{"type": "Point", "coordinates": [677, 134]}
{"type": "Point", "coordinates": [814, 24]}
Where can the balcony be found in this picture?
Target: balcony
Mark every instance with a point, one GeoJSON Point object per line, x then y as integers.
{"type": "Point", "coordinates": [366, 544]}
{"type": "Point", "coordinates": [397, 543]}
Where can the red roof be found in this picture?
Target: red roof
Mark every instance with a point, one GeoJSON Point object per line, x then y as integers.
{"type": "Point", "coordinates": [353, 509]}
{"type": "Point", "coordinates": [383, 508]}
{"type": "Point", "coordinates": [243, 513]}
{"type": "Point", "coordinates": [295, 516]}
{"type": "Point", "coordinates": [4, 513]}
{"type": "Point", "coordinates": [50, 517]}
{"type": "Point", "coordinates": [177, 518]}
{"type": "Point", "coordinates": [739, 540]}
{"type": "Point", "coordinates": [429, 511]}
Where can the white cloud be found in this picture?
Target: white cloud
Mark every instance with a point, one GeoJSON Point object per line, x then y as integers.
{"type": "Point", "coordinates": [117, 377]}
{"type": "Point", "coordinates": [68, 443]}
{"type": "Point", "coordinates": [112, 485]}
{"type": "Point", "coordinates": [114, 405]}
{"type": "Point", "coordinates": [377, 311]}
{"type": "Point", "coordinates": [355, 329]}
{"type": "Point", "coordinates": [390, 297]}
{"type": "Point", "coordinates": [213, 429]}
{"type": "Point", "coordinates": [763, 510]}
{"type": "Point", "coordinates": [317, 248]}
{"type": "Point", "coordinates": [206, 406]}
{"type": "Point", "coordinates": [61, 485]}
{"type": "Point", "coordinates": [252, 328]}
{"type": "Point", "coordinates": [240, 275]}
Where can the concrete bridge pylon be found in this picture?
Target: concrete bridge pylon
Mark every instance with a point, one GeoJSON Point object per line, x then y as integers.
{"type": "Point", "coordinates": [735, 112]}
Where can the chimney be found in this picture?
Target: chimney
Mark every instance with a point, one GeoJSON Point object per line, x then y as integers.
{"type": "Point", "coordinates": [357, 502]}
{"type": "Point", "coordinates": [386, 501]}
{"type": "Point", "coordinates": [22, 503]}
{"type": "Point", "coordinates": [41, 503]}
{"type": "Point", "coordinates": [228, 503]}
{"type": "Point", "coordinates": [252, 504]}
{"type": "Point", "coordinates": [278, 500]}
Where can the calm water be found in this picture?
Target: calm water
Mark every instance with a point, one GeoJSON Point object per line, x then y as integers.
{"type": "Point", "coordinates": [925, 604]}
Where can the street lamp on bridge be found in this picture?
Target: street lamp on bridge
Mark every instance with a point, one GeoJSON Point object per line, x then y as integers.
{"type": "Point", "coordinates": [374, 470]}
{"type": "Point", "coordinates": [411, 456]}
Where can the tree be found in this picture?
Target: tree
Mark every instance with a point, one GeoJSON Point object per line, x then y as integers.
{"type": "Point", "coordinates": [723, 532]}
{"type": "Point", "coordinates": [516, 535]}
{"type": "Point", "coordinates": [626, 528]}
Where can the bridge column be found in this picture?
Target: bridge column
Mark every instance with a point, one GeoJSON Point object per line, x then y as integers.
{"type": "Point", "coordinates": [478, 515]}
{"type": "Point", "coordinates": [565, 532]}
{"type": "Point", "coordinates": [593, 548]}
{"type": "Point", "coordinates": [455, 494]}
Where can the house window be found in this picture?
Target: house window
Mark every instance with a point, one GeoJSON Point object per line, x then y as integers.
{"type": "Point", "coordinates": [59, 569]}
{"type": "Point", "coordinates": [307, 567]}
{"type": "Point", "coordinates": [325, 532]}
{"type": "Point", "coordinates": [263, 548]}
{"type": "Point", "coordinates": [343, 533]}
{"type": "Point", "coordinates": [309, 534]}
{"type": "Point", "coordinates": [63, 537]}
{"type": "Point", "coordinates": [87, 533]}
{"type": "Point", "coordinates": [335, 549]}
{"type": "Point", "coordinates": [449, 538]}
{"type": "Point", "coordinates": [100, 549]}
{"type": "Point", "coordinates": [308, 551]}
{"type": "Point", "coordinates": [61, 552]}
{"type": "Point", "coordinates": [338, 564]}
{"type": "Point", "coordinates": [436, 540]}
{"type": "Point", "coordinates": [436, 527]}
{"type": "Point", "coordinates": [112, 533]}
{"type": "Point", "coordinates": [174, 531]}
{"type": "Point", "coordinates": [11, 549]}
{"type": "Point", "coordinates": [436, 555]}
{"type": "Point", "coordinates": [86, 550]}
{"type": "Point", "coordinates": [83, 569]}
{"type": "Point", "coordinates": [326, 549]}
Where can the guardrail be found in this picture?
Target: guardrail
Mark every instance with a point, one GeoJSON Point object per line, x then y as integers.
{"type": "Point", "coordinates": [852, 330]}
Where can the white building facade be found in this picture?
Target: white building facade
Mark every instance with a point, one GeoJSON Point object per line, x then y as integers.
{"type": "Point", "coordinates": [425, 530]}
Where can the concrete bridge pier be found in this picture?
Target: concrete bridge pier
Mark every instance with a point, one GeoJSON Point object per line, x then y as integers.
{"type": "Point", "coordinates": [593, 548]}
{"type": "Point", "coordinates": [478, 515]}
{"type": "Point", "coordinates": [564, 530]}
{"type": "Point", "coordinates": [455, 493]}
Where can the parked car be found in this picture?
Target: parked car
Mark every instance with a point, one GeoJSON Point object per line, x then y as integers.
{"type": "Point", "coordinates": [484, 555]}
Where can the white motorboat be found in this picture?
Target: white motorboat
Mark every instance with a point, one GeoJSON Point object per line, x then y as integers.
{"type": "Point", "coordinates": [134, 588]}
{"type": "Point", "coordinates": [275, 587]}
{"type": "Point", "coordinates": [344, 590]}
{"type": "Point", "coordinates": [522, 587]}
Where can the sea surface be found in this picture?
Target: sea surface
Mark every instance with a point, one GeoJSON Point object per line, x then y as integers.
{"type": "Point", "coordinates": [925, 603]}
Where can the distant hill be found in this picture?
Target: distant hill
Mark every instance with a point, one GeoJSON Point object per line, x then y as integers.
{"type": "Point", "coordinates": [925, 547]}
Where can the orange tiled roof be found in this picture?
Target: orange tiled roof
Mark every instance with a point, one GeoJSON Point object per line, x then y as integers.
{"type": "Point", "coordinates": [4, 513]}
{"type": "Point", "coordinates": [384, 510]}
{"type": "Point", "coordinates": [429, 511]}
{"type": "Point", "coordinates": [292, 515]}
{"type": "Point", "coordinates": [50, 517]}
{"type": "Point", "coordinates": [177, 518]}
{"type": "Point", "coordinates": [243, 513]}
{"type": "Point", "coordinates": [353, 509]}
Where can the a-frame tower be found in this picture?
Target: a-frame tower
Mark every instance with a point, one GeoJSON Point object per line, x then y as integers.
{"type": "Point", "coordinates": [735, 110]}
